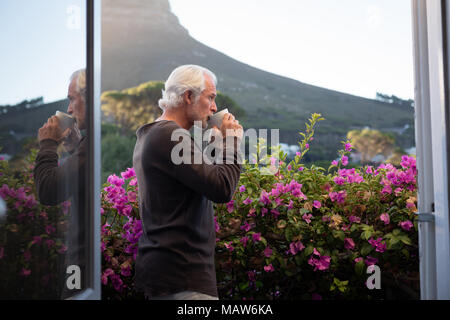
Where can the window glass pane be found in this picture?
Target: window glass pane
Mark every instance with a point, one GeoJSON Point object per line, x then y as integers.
{"type": "Point", "coordinates": [42, 158]}
{"type": "Point", "coordinates": [277, 63]}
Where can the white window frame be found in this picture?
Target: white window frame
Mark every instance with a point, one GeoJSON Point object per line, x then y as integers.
{"type": "Point", "coordinates": [93, 85]}
{"type": "Point", "coordinates": [431, 60]}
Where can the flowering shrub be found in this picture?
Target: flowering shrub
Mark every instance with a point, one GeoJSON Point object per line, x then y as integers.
{"type": "Point", "coordinates": [121, 229]}
{"type": "Point", "coordinates": [32, 237]}
{"type": "Point", "coordinates": [302, 233]}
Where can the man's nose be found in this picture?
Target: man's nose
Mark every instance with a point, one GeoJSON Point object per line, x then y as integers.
{"type": "Point", "coordinates": [214, 107]}
{"type": "Point", "coordinates": [69, 109]}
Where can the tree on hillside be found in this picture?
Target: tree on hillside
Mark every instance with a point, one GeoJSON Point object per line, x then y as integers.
{"type": "Point", "coordinates": [134, 107]}
{"type": "Point", "coordinates": [371, 143]}
{"type": "Point", "coordinates": [394, 100]}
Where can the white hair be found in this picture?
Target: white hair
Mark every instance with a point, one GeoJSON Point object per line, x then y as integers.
{"type": "Point", "coordinates": [80, 76]}
{"type": "Point", "coordinates": [182, 79]}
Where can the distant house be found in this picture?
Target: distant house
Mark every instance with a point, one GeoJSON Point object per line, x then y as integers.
{"type": "Point", "coordinates": [290, 150]}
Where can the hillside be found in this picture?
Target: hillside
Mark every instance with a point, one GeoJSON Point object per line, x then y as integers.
{"type": "Point", "coordinates": [143, 40]}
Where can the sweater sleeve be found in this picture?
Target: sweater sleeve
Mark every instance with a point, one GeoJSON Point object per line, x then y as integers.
{"type": "Point", "coordinates": [56, 183]}
{"type": "Point", "coordinates": [184, 161]}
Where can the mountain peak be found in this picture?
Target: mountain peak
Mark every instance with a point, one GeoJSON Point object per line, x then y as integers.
{"type": "Point", "coordinates": [141, 14]}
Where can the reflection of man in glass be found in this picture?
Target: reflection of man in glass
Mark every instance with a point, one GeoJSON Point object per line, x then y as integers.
{"type": "Point", "coordinates": [56, 182]}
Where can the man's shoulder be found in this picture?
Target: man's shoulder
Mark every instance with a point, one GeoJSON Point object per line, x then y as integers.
{"type": "Point", "coordinates": [159, 130]}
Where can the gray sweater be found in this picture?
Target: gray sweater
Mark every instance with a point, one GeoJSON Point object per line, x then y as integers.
{"type": "Point", "coordinates": [176, 249]}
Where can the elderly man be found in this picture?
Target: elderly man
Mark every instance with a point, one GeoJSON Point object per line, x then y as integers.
{"type": "Point", "coordinates": [56, 183]}
{"type": "Point", "coordinates": [176, 250]}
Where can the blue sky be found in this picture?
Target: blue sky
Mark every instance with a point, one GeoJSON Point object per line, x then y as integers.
{"type": "Point", "coordinates": [353, 46]}
{"type": "Point", "coordinates": [42, 43]}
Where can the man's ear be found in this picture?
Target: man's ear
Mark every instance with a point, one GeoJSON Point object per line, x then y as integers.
{"type": "Point", "coordinates": [188, 97]}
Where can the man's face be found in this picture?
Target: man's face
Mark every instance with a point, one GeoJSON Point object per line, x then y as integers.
{"type": "Point", "coordinates": [205, 106]}
{"type": "Point", "coordinates": [77, 106]}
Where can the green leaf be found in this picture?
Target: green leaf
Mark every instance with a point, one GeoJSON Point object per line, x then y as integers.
{"type": "Point", "coordinates": [339, 234]}
{"type": "Point", "coordinates": [366, 249]}
{"type": "Point", "coordinates": [359, 267]}
{"type": "Point", "coordinates": [406, 240]}
{"type": "Point", "coordinates": [303, 211]}
{"type": "Point", "coordinates": [309, 249]}
{"type": "Point", "coordinates": [243, 286]}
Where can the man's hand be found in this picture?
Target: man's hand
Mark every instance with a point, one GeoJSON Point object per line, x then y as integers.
{"type": "Point", "coordinates": [72, 139]}
{"type": "Point", "coordinates": [52, 130]}
{"type": "Point", "coordinates": [231, 127]}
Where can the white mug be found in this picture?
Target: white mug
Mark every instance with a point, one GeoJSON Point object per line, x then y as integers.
{"type": "Point", "coordinates": [216, 119]}
{"type": "Point", "coordinates": [65, 120]}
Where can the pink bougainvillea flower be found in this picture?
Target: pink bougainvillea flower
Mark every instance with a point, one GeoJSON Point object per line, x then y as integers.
{"type": "Point", "coordinates": [242, 188]}
{"type": "Point", "coordinates": [307, 218]}
{"type": "Point", "coordinates": [386, 190]}
{"type": "Point", "coordinates": [256, 237]}
{"type": "Point", "coordinates": [132, 196]}
{"type": "Point", "coordinates": [216, 224]}
{"type": "Point", "coordinates": [354, 219]}
{"type": "Point", "coordinates": [244, 240]}
{"type": "Point", "coordinates": [406, 225]}
{"type": "Point", "coordinates": [339, 180]}
{"type": "Point", "coordinates": [36, 240]}
{"type": "Point", "coordinates": [125, 271]}
{"type": "Point", "coordinates": [349, 244]}
{"type": "Point", "coordinates": [370, 261]}
{"type": "Point", "coordinates": [322, 263]}
{"type": "Point", "coordinates": [50, 229]}
{"type": "Point", "coordinates": [344, 160]}
{"type": "Point", "coordinates": [275, 213]}
{"type": "Point", "coordinates": [301, 168]}
{"type": "Point", "coordinates": [267, 252]}
{"type": "Point", "coordinates": [410, 205]}
{"type": "Point", "coordinates": [295, 247]}
{"type": "Point", "coordinates": [398, 191]}
{"type": "Point", "coordinates": [316, 296]}
{"type": "Point", "coordinates": [290, 205]}
{"type": "Point", "coordinates": [133, 182]}
{"type": "Point", "coordinates": [348, 146]}
{"type": "Point", "coordinates": [289, 167]}
{"type": "Point", "coordinates": [129, 173]}
{"type": "Point", "coordinates": [264, 211]}
{"type": "Point", "coordinates": [247, 201]}
{"type": "Point", "coordinates": [25, 272]}
{"type": "Point", "coordinates": [298, 154]}
{"type": "Point", "coordinates": [385, 218]}
{"type": "Point", "coordinates": [264, 198]}
{"type": "Point", "coordinates": [334, 163]}
{"type": "Point", "coordinates": [117, 282]}
{"type": "Point", "coordinates": [338, 196]}
{"type": "Point", "coordinates": [358, 259]}
{"type": "Point", "coordinates": [378, 245]}
{"type": "Point", "coordinates": [251, 212]}
{"type": "Point", "coordinates": [269, 268]}
{"type": "Point", "coordinates": [306, 146]}
{"type": "Point", "coordinates": [279, 201]}
{"type": "Point", "coordinates": [115, 180]}
{"type": "Point", "coordinates": [230, 206]}
{"type": "Point", "coordinates": [317, 204]}
{"type": "Point", "coordinates": [247, 227]}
